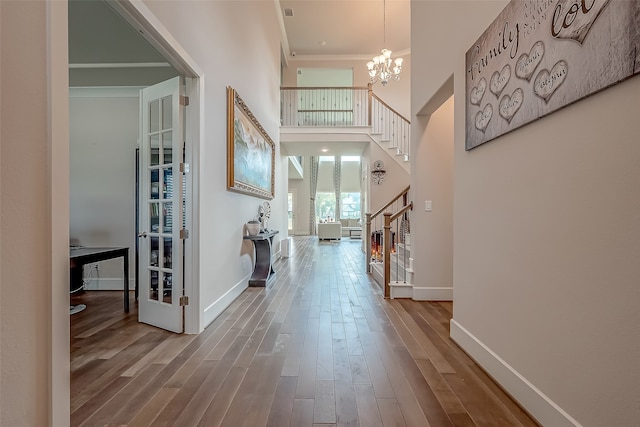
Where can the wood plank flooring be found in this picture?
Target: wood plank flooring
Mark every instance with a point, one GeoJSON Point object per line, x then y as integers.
{"type": "Point", "coordinates": [318, 347]}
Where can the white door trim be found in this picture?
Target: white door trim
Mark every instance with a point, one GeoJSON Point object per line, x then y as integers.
{"type": "Point", "coordinates": [142, 19]}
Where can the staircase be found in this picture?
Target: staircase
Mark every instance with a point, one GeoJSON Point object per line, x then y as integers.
{"type": "Point", "coordinates": [401, 271]}
{"type": "Point", "coordinates": [390, 130]}
{"type": "Point", "coordinates": [388, 247]}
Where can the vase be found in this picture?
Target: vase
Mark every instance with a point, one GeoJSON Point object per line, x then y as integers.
{"type": "Point", "coordinates": [253, 228]}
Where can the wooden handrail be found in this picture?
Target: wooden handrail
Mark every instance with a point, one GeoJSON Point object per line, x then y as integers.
{"type": "Point", "coordinates": [402, 193]}
{"type": "Point", "coordinates": [322, 87]}
{"type": "Point", "coordinates": [325, 111]}
{"type": "Point", "coordinates": [402, 211]}
{"type": "Point", "coordinates": [391, 108]}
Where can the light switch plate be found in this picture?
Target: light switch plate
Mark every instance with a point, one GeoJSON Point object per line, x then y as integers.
{"type": "Point", "coordinates": [428, 206]}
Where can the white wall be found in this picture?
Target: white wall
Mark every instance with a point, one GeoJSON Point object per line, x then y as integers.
{"type": "Point", "coordinates": [396, 178]}
{"type": "Point", "coordinates": [546, 237]}
{"type": "Point", "coordinates": [250, 64]}
{"type": "Point", "coordinates": [432, 180]}
{"type": "Point", "coordinates": [103, 139]}
{"type": "Point", "coordinates": [34, 263]}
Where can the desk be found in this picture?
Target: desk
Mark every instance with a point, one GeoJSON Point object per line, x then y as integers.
{"type": "Point", "coordinates": [78, 257]}
{"type": "Point", "coordinates": [263, 270]}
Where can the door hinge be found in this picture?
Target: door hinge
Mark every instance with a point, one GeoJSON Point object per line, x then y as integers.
{"type": "Point", "coordinates": [184, 167]}
{"type": "Point", "coordinates": [184, 234]}
{"type": "Point", "coordinates": [184, 100]}
{"type": "Point", "coordinates": [184, 300]}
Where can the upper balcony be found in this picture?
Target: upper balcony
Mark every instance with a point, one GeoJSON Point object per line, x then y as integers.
{"type": "Point", "coordinates": [345, 113]}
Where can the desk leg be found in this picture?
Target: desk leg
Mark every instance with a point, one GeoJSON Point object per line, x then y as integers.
{"type": "Point", "coordinates": [126, 281]}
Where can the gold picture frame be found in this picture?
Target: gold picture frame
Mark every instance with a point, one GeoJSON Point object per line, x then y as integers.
{"type": "Point", "coordinates": [251, 153]}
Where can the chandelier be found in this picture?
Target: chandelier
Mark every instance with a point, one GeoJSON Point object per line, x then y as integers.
{"type": "Point", "coordinates": [383, 68]}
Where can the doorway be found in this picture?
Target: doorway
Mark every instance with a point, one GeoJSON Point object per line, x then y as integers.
{"type": "Point", "coordinates": [102, 147]}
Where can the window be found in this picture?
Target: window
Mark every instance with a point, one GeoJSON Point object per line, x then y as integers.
{"type": "Point", "coordinates": [350, 205]}
{"type": "Point", "coordinates": [325, 206]}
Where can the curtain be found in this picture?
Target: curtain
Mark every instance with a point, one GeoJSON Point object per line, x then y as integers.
{"type": "Point", "coordinates": [337, 171]}
{"type": "Point", "coordinates": [315, 162]}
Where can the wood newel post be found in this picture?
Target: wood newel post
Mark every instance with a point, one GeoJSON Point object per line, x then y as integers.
{"type": "Point", "coordinates": [367, 241]}
{"type": "Point", "coordinates": [369, 104]}
{"type": "Point", "coordinates": [387, 254]}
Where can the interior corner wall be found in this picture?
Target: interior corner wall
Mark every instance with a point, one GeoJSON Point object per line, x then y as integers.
{"type": "Point", "coordinates": [546, 237]}
{"type": "Point", "coordinates": [249, 63]}
{"type": "Point", "coordinates": [104, 132]}
{"type": "Point", "coordinates": [432, 180]}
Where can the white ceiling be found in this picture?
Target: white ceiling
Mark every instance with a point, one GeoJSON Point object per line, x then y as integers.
{"type": "Point", "coordinates": [346, 28]}
{"type": "Point", "coordinates": [352, 28]}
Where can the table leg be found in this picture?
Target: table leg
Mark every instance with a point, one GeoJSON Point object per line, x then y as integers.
{"type": "Point", "coordinates": [126, 280]}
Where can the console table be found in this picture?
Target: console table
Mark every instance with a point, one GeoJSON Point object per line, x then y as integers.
{"type": "Point", "coordinates": [80, 256]}
{"type": "Point", "coordinates": [263, 269]}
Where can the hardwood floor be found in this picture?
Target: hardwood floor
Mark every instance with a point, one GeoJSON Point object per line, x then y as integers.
{"type": "Point", "coordinates": [318, 347]}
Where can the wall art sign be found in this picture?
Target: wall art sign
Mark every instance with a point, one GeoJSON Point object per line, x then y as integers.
{"type": "Point", "coordinates": [250, 151]}
{"type": "Point", "coordinates": [541, 55]}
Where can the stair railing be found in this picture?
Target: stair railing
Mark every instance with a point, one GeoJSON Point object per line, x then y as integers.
{"type": "Point", "coordinates": [380, 240]}
{"type": "Point", "coordinates": [393, 126]}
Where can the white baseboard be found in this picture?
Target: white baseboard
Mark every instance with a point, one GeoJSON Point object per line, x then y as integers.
{"type": "Point", "coordinates": [213, 311]}
{"type": "Point", "coordinates": [433, 294]}
{"type": "Point", "coordinates": [543, 409]}
{"type": "Point", "coordinates": [108, 284]}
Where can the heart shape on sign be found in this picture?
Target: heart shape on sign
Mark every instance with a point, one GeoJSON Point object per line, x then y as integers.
{"type": "Point", "coordinates": [500, 80]}
{"type": "Point", "coordinates": [527, 64]}
{"type": "Point", "coordinates": [478, 92]}
{"type": "Point", "coordinates": [509, 105]}
{"type": "Point", "coordinates": [573, 19]}
{"type": "Point", "coordinates": [547, 82]}
{"type": "Point", "coordinates": [484, 117]}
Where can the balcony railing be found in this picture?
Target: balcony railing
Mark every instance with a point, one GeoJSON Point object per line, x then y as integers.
{"type": "Point", "coordinates": [346, 107]}
{"type": "Point", "coordinates": [325, 106]}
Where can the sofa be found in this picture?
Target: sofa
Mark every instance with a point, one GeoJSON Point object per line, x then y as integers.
{"type": "Point", "coordinates": [351, 228]}
{"type": "Point", "coordinates": [329, 231]}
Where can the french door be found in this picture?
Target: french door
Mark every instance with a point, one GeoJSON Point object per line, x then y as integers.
{"type": "Point", "coordinates": [161, 207]}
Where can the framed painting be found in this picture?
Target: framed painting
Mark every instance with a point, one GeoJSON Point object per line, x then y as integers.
{"type": "Point", "coordinates": [251, 157]}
